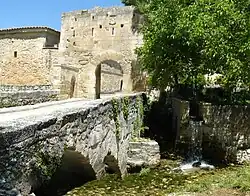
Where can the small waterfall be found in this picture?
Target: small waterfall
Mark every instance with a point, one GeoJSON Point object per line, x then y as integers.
{"type": "Point", "coordinates": [194, 137]}
{"type": "Point", "coordinates": [195, 130]}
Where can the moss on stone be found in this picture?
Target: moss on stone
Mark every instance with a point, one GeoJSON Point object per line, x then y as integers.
{"type": "Point", "coordinates": [125, 107]}
{"type": "Point", "coordinates": [115, 116]}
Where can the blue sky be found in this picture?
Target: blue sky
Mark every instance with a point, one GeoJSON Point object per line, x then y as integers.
{"type": "Point", "coordinates": [17, 13]}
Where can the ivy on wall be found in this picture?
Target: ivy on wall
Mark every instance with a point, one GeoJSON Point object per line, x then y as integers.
{"type": "Point", "coordinates": [122, 108]}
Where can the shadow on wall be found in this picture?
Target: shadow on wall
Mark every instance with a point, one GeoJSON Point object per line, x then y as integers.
{"type": "Point", "coordinates": [111, 165]}
{"type": "Point", "coordinates": [158, 118]}
{"type": "Point", "coordinates": [139, 79]}
{"type": "Point", "coordinates": [74, 171]}
{"type": "Point", "coordinates": [72, 87]}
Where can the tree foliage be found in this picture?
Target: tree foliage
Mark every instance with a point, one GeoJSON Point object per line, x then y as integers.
{"type": "Point", "coordinates": [185, 39]}
{"type": "Point", "coordinates": [129, 2]}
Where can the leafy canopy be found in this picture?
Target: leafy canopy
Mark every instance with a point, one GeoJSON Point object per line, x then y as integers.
{"type": "Point", "coordinates": [185, 39]}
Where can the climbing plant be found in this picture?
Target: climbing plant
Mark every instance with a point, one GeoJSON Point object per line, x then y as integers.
{"type": "Point", "coordinates": [115, 116]}
{"type": "Point", "coordinates": [125, 107]}
{"type": "Point", "coordinates": [138, 126]}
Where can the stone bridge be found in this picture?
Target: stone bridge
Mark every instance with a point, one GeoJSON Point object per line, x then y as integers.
{"type": "Point", "coordinates": [34, 140]}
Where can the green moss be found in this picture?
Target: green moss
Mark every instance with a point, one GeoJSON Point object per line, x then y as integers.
{"type": "Point", "coordinates": [115, 116]}
{"type": "Point", "coordinates": [125, 107]}
{"type": "Point", "coordinates": [138, 126]}
{"type": "Point", "coordinates": [45, 165]}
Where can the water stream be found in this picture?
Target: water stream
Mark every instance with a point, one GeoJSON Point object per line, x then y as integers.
{"type": "Point", "coordinates": [194, 159]}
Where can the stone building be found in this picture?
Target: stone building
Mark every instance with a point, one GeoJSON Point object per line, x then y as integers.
{"type": "Point", "coordinates": [27, 55]}
{"type": "Point", "coordinates": [97, 51]}
{"type": "Point", "coordinates": [94, 54]}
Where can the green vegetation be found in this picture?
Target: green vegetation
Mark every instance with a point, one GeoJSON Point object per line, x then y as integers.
{"type": "Point", "coordinates": [125, 107]}
{"type": "Point", "coordinates": [45, 165]}
{"type": "Point", "coordinates": [115, 116]}
{"type": "Point", "coordinates": [184, 40]}
{"type": "Point", "coordinates": [161, 180]}
{"type": "Point", "coordinates": [138, 126]}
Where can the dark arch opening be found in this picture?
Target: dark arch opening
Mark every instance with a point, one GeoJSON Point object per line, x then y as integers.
{"type": "Point", "coordinates": [109, 78]}
{"type": "Point", "coordinates": [111, 165]}
{"type": "Point", "coordinates": [74, 171]}
{"type": "Point", "coordinates": [72, 86]}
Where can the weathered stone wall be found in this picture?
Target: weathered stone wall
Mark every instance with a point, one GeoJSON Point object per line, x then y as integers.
{"type": "Point", "coordinates": [226, 130]}
{"type": "Point", "coordinates": [144, 153]}
{"type": "Point", "coordinates": [90, 37]}
{"type": "Point", "coordinates": [33, 141]}
{"type": "Point", "coordinates": [111, 78]}
{"type": "Point", "coordinates": [22, 58]}
{"type": "Point", "coordinates": [26, 95]}
{"type": "Point", "coordinates": [68, 81]}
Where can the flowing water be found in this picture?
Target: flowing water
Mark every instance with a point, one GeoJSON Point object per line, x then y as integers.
{"type": "Point", "coordinates": [195, 144]}
{"type": "Point", "coordinates": [194, 160]}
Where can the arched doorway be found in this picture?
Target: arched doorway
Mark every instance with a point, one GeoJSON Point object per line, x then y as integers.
{"type": "Point", "coordinates": [109, 78]}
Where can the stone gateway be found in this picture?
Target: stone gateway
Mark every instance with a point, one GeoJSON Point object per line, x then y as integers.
{"type": "Point", "coordinates": [93, 55]}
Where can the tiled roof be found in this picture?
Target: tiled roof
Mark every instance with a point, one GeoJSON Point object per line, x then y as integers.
{"type": "Point", "coordinates": [28, 29]}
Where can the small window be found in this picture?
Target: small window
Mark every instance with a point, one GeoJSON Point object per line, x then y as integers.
{"type": "Point", "coordinates": [93, 17]}
{"type": "Point", "coordinates": [100, 26]}
{"type": "Point", "coordinates": [74, 43]}
{"type": "Point", "coordinates": [15, 54]}
{"type": "Point", "coordinates": [93, 31]}
{"type": "Point", "coordinates": [122, 25]}
{"type": "Point", "coordinates": [75, 19]}
{"type": "Point", "coordinates": [74, 33]}
{"type": "Point", "coordinates": [113, 31]}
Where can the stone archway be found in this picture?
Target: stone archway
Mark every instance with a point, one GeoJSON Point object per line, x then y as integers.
{"type": "Point", "coordinates": [74, 171]}
{"type": "Point", "coordinates": [109, 78]}
{"type": "Point", "coordinates": [89, 81]}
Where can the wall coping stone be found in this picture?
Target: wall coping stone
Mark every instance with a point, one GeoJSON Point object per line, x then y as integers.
{"type": "Point", "coordinates": [16, 118]}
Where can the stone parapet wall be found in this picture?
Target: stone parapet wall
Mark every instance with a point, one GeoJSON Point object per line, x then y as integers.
{"type": "Point", "coordinates": [226, 130]}
{"type": "Point", "coordinates": [33, 140]}
{"type": "Point", "coordinates": [11, 95]}
{"type": "Point", "coordinates": [14, 88]}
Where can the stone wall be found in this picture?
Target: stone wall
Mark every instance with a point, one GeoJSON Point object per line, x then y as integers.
{"type": "Point", "coordinates": [100, 35]}
{"type": "Point", "coordinates": [111, 78]}
{"type": "Point", "coordinates": [33, 141]}
{"type": "Point", "coordinates": [23, 61]}
{"type": "Point", "coordinates": [26, 95]}
{"type": "Point", "coordinates": [226, 130]}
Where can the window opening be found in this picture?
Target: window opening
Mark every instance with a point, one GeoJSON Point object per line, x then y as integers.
{"type": "Point", "coordinates": [15, 54]}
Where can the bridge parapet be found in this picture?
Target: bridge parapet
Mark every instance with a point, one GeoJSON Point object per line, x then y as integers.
{"type": "Point", "coordinates": [33, 142]}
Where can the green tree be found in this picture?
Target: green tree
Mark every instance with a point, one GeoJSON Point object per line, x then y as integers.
{"type": "Point", "coordinates": [129, 2]}
{"type": "Point", "coordinates": [185, 39]}
{"type": "Point", "coordinates": [140, 4]}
